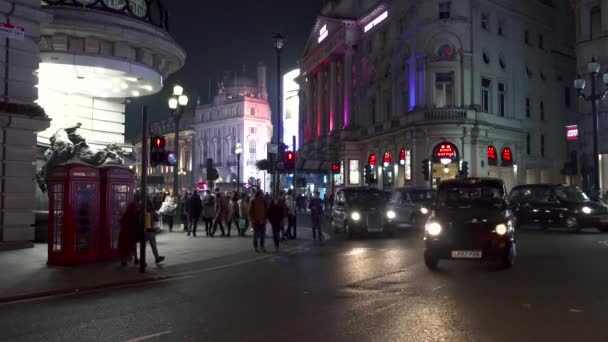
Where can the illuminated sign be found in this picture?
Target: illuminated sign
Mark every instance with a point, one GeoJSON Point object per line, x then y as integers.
{"type": "Point", "coordinates": [445, 150]}
{"type": "Point", "coordinates": [376, 21]}
{"type": "Point", "coordinates": [402, 157]}
{"type": "Point", "coordinates": [354, 173]}
{"type": "Point", "coordinates": [372, 160]}
{"type": "Point", "coordinates": [408, 165]}
{"type": "Point", "coordinates": [506, 155]}
{"type": "Point", "coordinates": [335, 167]}
{"type": "Point", "coordinates": [387, 158]}
{"type": "Point", "coordinates": [491, 153]}
{"type": "Point", "coordinates": [322, 34]}
{"type": "Point", "coordinates": [572, 133]}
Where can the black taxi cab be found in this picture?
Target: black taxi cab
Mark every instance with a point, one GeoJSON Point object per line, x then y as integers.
{"type": "Point", "coordinates": [362, 210]}
{"type": "Point", "coordinates": [557, 205]}
{"type": "Point", "coordinates": [471, 220]}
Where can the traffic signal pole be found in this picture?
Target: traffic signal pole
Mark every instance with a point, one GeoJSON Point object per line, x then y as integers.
{"type": "Point", "coordinates": [295, 185]}
{"type": "Point", "coordinates": [144, 190]}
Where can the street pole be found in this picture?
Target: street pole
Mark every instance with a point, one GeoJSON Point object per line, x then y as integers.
{"type": "Point", "coordinates": [176, 151]}
{"type": "Point", "coordinates": [596, 149]}
{"type": "Point", "coordinates": [295, 186]}
{"type": "Point", "coordinates": [144, 189]}
{"type": "Point", "coordinates": [238, 172]}
{"type": "Point", "coordinates": [280, 120]}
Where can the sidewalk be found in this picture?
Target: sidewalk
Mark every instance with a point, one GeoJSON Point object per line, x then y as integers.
{"type": "Point", "coordinates": [25, 273]}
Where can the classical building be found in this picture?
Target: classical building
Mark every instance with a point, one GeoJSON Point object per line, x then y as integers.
{"type": "Point", "coordinates": [239, 113]}
{"type": "Point", "coordinates": [477, 85]}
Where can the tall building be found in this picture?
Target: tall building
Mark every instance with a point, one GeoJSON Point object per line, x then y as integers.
{"type": "Point", "coordinates": [388, 85]}
{"type": "Point", "coordinates": [239, 113]}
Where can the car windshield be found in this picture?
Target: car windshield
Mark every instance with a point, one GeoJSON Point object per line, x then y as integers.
{"type": "Point", "coordinates": [422, 196]}
{"type": "Point", "coordinates": [467, 195]}
{"type": "Point", "coordinates": [365, 197]}
{"type": "Point", "coordinates": [570, 194]}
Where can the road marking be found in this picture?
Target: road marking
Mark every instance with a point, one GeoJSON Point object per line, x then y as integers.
{"type": "Point", "coordinates": [437, 288]}
{"type": "Point", "coordinates": [605, 242]}
{"type": "Point", "coordinates": [147, 337]}
{"type": "Point", "coordinates": [576, 310]}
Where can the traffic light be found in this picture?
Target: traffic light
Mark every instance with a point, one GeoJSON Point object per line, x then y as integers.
{"type": "Point", "coordinates": [335, 169]}
{"type": "Point", "coordinates": [290, 160]}
{"type": "Point", "coordinates": [426, 169]}
{"type": "Point", "coordinates": [157, 150]}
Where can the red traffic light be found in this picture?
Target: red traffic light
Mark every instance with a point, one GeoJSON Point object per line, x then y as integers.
{"type": "Point", "coordinates": [335, 167]}
{"type": "Point", "coordinates": [158, 142]}
{"type": "Point", "coordinates": [290, 156]}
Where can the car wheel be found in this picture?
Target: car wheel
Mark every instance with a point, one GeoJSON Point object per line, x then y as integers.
{"type": "Point", "coordinates": [509, 259]}
{"type": "Point", "coordinates": [572, 225]}
{"type": "Point", "coordinates": [430, 260]}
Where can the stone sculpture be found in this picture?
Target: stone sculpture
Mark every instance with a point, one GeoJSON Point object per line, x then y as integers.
{"type": "Point", "coordinates": [68, 145]}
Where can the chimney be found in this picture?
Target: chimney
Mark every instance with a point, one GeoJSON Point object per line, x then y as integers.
{"type": "Point", "coordinates": [262, 91]}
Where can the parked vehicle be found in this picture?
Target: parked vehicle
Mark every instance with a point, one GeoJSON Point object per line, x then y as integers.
{"type": "Point", "coordinates": [553, 205]}
{"type": "Point", "coordinates": [412, 206]}
{"type": "Point", "coordinates": [362, 210]}
{"type": "Point", "coordinates": [471, 221]}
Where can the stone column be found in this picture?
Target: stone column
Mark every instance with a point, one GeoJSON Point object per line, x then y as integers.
{"type": "Point", "coordinates": [348, 87]}
{"type": "Point", "coordinates": [308, 107]}
{"type": "Point", "coordinates": [20, 120]}
{"type": "Point", "coordinates": [333, 96]}
{"type": "Point", "coordinates": [320, 107]}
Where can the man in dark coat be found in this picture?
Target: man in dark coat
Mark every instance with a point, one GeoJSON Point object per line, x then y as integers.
{"type": "Point", "coordinates": [196, 208]}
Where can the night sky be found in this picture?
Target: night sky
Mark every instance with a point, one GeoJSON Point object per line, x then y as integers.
{"type": "Point", "coordinates": [224, 35]}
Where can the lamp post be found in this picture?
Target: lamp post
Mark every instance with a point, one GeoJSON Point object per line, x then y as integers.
{"type": "Point", "coordinates": [279, 42]}
{"type": "Point", "coordinates": [238, 150]}
{"type": "Point", "coordinates": [177, 104]}
{"type": "Point", "coordinates": [593, 68]}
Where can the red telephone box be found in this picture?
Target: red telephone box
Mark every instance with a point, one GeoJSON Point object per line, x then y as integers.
{"type": "Point", "coordinates": [118, 185]}
{"type": "Point", "coordinates": [73, 214]}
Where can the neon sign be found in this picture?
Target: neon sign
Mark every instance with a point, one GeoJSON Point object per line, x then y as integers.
{"type": "Point", "coordinates": [376, 21]}
{"type": "Point", "coordinates": [446, 150]}
{"type": "Point", "coordinates": [506, 155]}
{"type": "Point", "coordinates": [372, 160]}
{"type": "Point", "coordinates": [402, 157]}
{"type": "Point", "coordinates": [572, 133]}
{"type": "Point", "coordinates": [322, 34]}
{"type": "Point", "coordinates": [387, 158]}
{"type": "Point", "coordinates": [491, 153]}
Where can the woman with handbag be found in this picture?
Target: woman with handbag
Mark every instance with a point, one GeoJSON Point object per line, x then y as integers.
{"type": "Point", "coordinates": [167, 210]}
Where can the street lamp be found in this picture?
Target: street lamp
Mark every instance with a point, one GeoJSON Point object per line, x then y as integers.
{"type": "Point", "coordinates": [593, 68]}
{"type": "Point", "coordinates": [238, 150]}
{"type": "Point", "coordinates": [177, 104]}
{"type": "Point", "coordinates": [279, 42]}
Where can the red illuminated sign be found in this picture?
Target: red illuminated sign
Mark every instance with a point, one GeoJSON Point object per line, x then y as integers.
{"type": "Point", "coordinates": [158, 142]}
{"type": "Point", "coordinates": [372, 160]}
{"type": "Point", "coordinates": [387, 157]}
{"type": "Point", "coordinates": [290, 156]}
{"type": "Point", "coordinates": [491, 153]}
{"type": "Point", "coordinates": [572, 133]}
{"type": "Point", "coordinates": [506, 155]}
{"type": "Point", "coordinates": [402, 156]}
{"type": "Point", "coordinates": [446, 150]}
{"type": "Point", "coordinates": [335, 167]}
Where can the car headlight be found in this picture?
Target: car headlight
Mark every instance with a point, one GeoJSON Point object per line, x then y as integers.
{"type": "Point", "coordinates": [433, 228]}
{"type": "Point", "coordinates": [424, 211]}
{"type": "Point", "coordinates": [501, 229]}
{"type": "Point", "coordinates": [586, 210]}
{"type": "Point", "coordinates": [391, 214]}
{"type": "Point", "coordinates": [355, 216]}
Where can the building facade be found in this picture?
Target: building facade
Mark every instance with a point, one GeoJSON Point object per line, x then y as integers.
{"type": "Point", "coordinates": [239, 113]}
{"type": "Point", "coordinates": [481, 85]}
{"type": "Point", "coordinates": [291, 108]}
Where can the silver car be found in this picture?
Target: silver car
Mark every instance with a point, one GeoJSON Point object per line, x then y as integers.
{"type": "Point", "coordinates": [412, 207]}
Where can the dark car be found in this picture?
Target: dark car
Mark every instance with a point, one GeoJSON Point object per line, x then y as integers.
{"type": "Point", "coordinates": [361, 210]}
{"type": "Point", "coordinates": [551, 205]}
{"type": "Point", "coordinates": [471, 221]}
{"type": "Point", "coordinates": [413, 206]}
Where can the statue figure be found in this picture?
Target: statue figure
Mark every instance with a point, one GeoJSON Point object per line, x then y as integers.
{"type": "Point", "coordinates": [68, 145]}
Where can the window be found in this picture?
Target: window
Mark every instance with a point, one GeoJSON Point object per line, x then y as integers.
{"type": "Point", "coordinates": [139, 8]}
{"type": "Point", "coordinates": [542, 76]}
{"type": "Point", "coordinates": [115, 4]}
{"type": "Point", "coordinates": [252, 151]}
{"type": "Point", "coordinates": [542, 110]}
{"type": "Point", "coordinates": [444, 90]}
{"type": "Point", "coordinates": [501, 99]}
{"type": "Point", "coordinates": [485, 94]}
{"type": "Point", "coordinates": [485, 21]}
{"type": "Point", "coordinates": [57, 195]}
{"type": "Point", "coordinates": [596, 22]}
{"type": "Point", "coordinates": [501, 27]}
{"type": "Point", "coordinates": [444, 10]}
{"type": "Point", "coordinates": [567, 96]}
{"type": "Point", "coordinates": [528, 71]}
{"type": "Point", "coordinates": [251, 129]}
{"type": "Point", "coordinates": [252, 111]}
{"type": "Point", "coordinates": [502, 64]}
{"type": "Point", "coordinates": [527, 37]}
{"type": "Point", "coordinates": [542, 145]}
{"type": "Point", "coordinates": [486, 58]}
{"type": "Point", "coordinates": [527, 107]}
{"type": "Point", "coordinates": [541, 42]}
{"type": "Point", "coordinates": [528, 144]}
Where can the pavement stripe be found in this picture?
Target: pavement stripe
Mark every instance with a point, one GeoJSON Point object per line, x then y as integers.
{"type": "Point", "coordinates": [147, 337]}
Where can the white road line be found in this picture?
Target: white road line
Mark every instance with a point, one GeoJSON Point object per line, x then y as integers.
{"type": "Point", "coordinates": [437, 288]}
{"type": "Point", "coordinates": [576, 310]}
{"type": "Point", "coordinates": [605, 243]}
{"type": "Point", "coordinates": [147, 337]}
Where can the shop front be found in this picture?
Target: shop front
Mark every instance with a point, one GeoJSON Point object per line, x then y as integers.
{"type": "Point", "coordinates": [445, 162]}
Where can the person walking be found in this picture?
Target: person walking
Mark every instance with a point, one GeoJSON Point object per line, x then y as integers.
{"type": "Point", "coordinates": [257, 215]}
{"type": "Point", "coordinates": [208, 212]}
{"type": "Point", "coordinates": [130, 231]}
{"type": "Point", "coordinates": [290, 203]}
{"type": "Point", "coordinates": [167, 210]}
{"type": "Point", "coordinates": [196, 207]}
{"type": "Point", "coordinates": [243, 203]}
{"type": "Point", "coordinates": [316, 211]}
{"type": "Point", "coordinates": [219, 213]}
{"type": "Point", "coordinates": [150, 221]}
{"type": "Point", "coordinates": [276, 216]}
{"type": "Point", "coordinates": [184, 205]}
{"type": "Point", "coordinates": [233, 214]}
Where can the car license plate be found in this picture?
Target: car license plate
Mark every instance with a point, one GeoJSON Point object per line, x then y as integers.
{"type": "Point", "coordinates": [374, 230]}
{"type": "Point", "coordinates": [466, 254]}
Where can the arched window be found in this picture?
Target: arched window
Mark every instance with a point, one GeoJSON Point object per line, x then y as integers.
{"type": "Point", "coordinates": [596, 22]}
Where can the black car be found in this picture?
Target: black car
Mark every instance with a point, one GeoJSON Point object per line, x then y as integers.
{"type": "Point", "coordinates": [361, 210]}
{"type": "Point", "coordinates": [472, 221]}
{"type": "Point", "coordinates": [551, 205]}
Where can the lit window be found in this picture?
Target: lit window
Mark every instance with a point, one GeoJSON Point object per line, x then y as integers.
{"type": "Point", "coordinates": [139, 8]}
